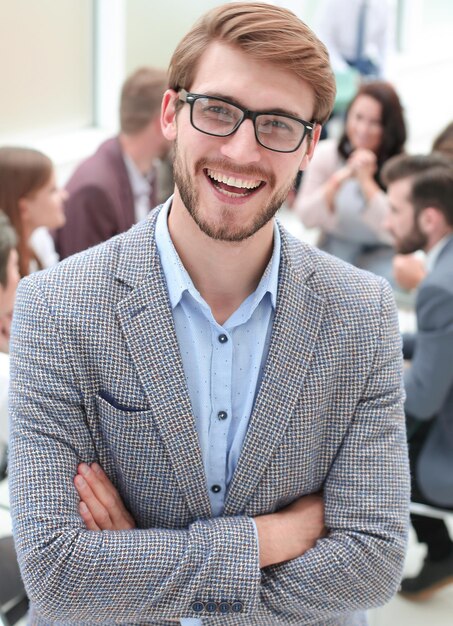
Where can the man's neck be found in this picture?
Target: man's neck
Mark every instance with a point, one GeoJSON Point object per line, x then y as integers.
{"type": "Point", "coordinates": [139, 151]}
{"type": "Point", "coordinates": [225, 273]}
{"type": "Point", "coordinates": [437, 237]}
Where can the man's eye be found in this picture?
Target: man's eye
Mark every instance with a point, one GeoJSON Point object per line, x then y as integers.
{"type": "Point", "coordinates": [275, 124]}
{"type": "Point", "coordinates": [217, 109]}
{"type": "Point", "coordinates": [281, 124]}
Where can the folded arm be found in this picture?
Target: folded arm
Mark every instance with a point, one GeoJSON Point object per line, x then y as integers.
{"type": "Point", "coordinates": [137, 575]}
{"type": "Point", "coordinates": [366, 497]}
{"type": "Point", "coordinates": [72, 574]}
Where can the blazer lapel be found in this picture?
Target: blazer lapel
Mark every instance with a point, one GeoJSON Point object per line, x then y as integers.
{"type": "Point", "coordinates": [297, 322]}
{"type": "Point", "coordinates": [146, 320]}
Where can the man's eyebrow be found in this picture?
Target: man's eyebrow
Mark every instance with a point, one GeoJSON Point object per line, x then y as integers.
{"type": "Point", "coordinates": [278, 110]}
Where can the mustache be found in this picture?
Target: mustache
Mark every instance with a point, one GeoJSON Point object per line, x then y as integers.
{"type": "Point", "coordinates": [236, 170]}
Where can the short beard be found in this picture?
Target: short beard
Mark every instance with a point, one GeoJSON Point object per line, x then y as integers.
{"type": "Point", "coordinates": [415, 240]}
{"type": "Point", "coordinates": [224, 232]}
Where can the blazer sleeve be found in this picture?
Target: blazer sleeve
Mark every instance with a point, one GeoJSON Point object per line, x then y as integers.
{"type": "Point", "coordinates": [429, 379]}
{"type": "Point", "coordinates": [366, 494]}
{"type": "Point", "coordinates": [74, 575]}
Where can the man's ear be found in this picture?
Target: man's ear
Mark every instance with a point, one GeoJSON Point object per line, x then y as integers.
{"type": "Point", "coordinates": [431, 220]}
{"type": "Point", "coordinates": [311, 147]}
{"type": "Point", "coordinates": [168, 115]}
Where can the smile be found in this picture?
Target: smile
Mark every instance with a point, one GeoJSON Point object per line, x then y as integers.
{"type": "Point", "coordinates": [232, 186]}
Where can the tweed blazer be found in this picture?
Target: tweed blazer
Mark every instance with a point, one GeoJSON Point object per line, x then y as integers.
{"type": "Point", "coordinates": [429, 380]}
{"type": "Point", "coordinates": [97, 375]}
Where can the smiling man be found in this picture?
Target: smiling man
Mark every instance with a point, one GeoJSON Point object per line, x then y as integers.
{"type": "Point", "coordinates": [228, 399]}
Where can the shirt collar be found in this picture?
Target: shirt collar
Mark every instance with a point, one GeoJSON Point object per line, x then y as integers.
{"type": "Point", "coordinates": [433, 254]}
{"type": "Point", "coordinates": [178, 279]}
{"type": "Point", "coordinates": [140, 184]}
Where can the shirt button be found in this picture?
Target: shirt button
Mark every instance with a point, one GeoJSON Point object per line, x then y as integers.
{"type": "Point", "coordinates": [222, 415]}
{"type": "Point", "coordinates": [197, 606]}
{"type": "Point", "coordinates": [222, 338]}
{"type": "Point", "coordinates": [216, 488]}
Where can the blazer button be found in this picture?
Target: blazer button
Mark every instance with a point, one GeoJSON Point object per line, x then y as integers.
{"type": "Point", "coordinates": [224, 607]}
{"type": "Point", "coordinates": [198, 606]}
{"type": "Point", "coordinates": [237, 606]}
{"type": "Point", "coordinates": [211, 606]}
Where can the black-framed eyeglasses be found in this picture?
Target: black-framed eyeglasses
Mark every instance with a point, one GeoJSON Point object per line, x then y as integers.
{"type": "Point", "coordinates": [279, 132]}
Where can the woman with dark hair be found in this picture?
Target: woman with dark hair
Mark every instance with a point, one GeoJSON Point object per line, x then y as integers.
{"type": "Point", "coordinates": [443, 143]}
{"type": "Point", "coordinates": [30, 198]}
{"type": "Point", "coordinates": [342, 193]}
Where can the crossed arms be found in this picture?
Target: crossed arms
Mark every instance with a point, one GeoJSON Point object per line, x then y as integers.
{"type": "Point", "coordinates": [284, 535]}
{"type": "Point", "coordinates": [74, 574]}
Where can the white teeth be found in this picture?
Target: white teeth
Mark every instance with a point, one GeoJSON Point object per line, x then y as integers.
{"type": "Point", "coordinates": [230, 194]}
{"type": "Point", "coordinates": [233, 182]}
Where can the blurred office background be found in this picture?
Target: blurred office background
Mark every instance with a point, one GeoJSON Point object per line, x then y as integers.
{"type": "Point", "coordinates": [62, 63]}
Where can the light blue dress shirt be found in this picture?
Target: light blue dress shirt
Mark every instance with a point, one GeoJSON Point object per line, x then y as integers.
{"type": "Point", "coordinates": [223, 364]}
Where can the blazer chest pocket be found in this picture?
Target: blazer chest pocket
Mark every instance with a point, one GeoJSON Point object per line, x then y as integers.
{"type": "Point", "coordinates": [135, 458]}
{"type": "Point", "coordinates": [128, 434]}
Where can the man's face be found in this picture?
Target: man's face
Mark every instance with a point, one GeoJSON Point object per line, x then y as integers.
{"type": "Point", "coordinates": [232, 186]}
{"type": "Point", "coordinates": [401, 221]}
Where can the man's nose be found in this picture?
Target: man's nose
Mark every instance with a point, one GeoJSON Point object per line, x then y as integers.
{"type": "Point", "coordinates": [242, 145]}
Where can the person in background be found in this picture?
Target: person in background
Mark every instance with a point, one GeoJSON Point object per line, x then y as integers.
{"type": "Point", "coordinates": [31, 199]}
{"type": "Point", "coordinates": [9, 279]}
{"type": "Point", "coordinates": [410, 269]}
{"type": "Point", "coordinates": [420, 190]}
{"type": "Point", "coordinates": [234, 393]}
{"type": "Point", "coordinates": [443, 143]}
{"type": "Point", "coordinates": [117, 186]}
{"type": "Point", "coordinates": [342, 193]}
{"type": "Point", "coordinates": [358, 35]}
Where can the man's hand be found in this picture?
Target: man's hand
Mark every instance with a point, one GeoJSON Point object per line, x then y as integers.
{"type": "Point", "coordinates": [282, 536]}
{"type": "Point", "coordinates": [101, 507]}
{"type": "Point", "coordinates": [292, 531]}
{"type": "Point", "coordinates": [409, 270]}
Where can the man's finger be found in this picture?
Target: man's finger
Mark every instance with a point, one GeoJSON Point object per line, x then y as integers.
{"type": "Point", "coordinates": [107, 495]}
{"type": "Point", "coordinates": [99, 512]}
{"type": "Point", "coordinates": [87, 517]}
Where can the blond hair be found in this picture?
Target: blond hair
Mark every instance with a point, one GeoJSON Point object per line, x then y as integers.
{"type": "Point", "coordinates": [266, 33]}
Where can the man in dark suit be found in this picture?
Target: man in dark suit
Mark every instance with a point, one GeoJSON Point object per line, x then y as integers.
{"type": "Point", "coordinates": [117, 186]}
{"type": "Point", "coordinates": [421, 195]}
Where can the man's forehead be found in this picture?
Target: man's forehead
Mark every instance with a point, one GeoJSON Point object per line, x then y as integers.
{"type": "Point", "coordinates": [229, 72]}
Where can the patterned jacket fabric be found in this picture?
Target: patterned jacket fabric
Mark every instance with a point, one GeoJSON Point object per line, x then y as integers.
{"type": "Point", "coordinates": [97, 376]}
